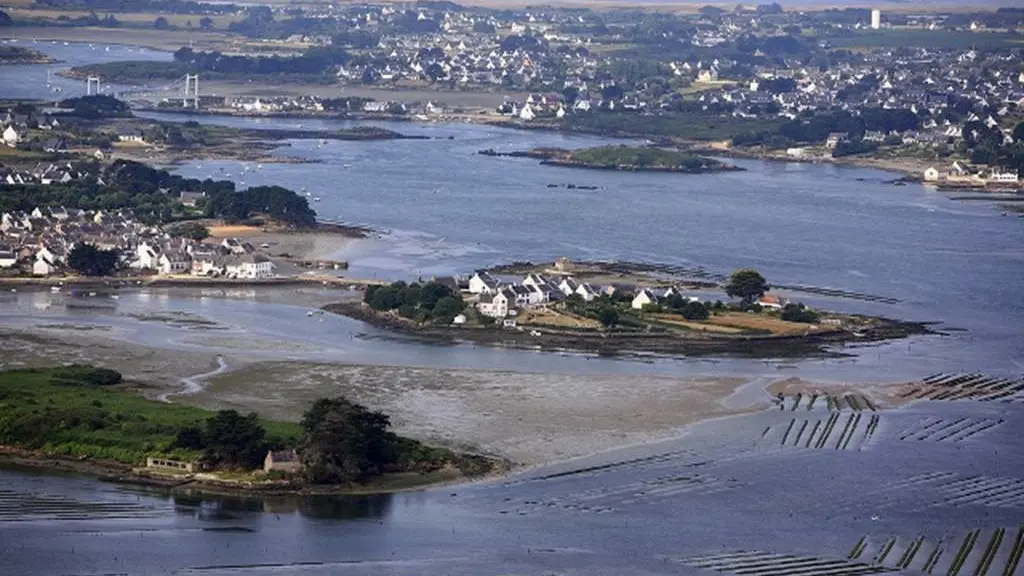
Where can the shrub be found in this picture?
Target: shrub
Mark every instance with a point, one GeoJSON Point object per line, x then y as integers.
{"type": "Point", "coordinates": [87, 375]}
{"type": "Point", "coordinates": [799, 313]}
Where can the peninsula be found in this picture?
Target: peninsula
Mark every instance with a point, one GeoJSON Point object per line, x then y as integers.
{"type": "Point", "coordinates": [623, 158]}
{"type": "Point", "coordinates": [96, 422]}
{"type": "Point", "coordinates": [18, 56]}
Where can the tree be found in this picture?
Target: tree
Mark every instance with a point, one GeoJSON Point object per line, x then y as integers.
{"type": "Point", "coordinates": [1018, 132]}
{"type": "Point", "coordinates": [793, 312]}
{"type": "Point", "coordinates": [206, 23]}
{"type": "Point", "coordinates": [431, 293]}
{"type": "Point", "coordinates": [746, 284]}
{"type": "Point", "coordinates": [447, 309]}
{"type": "Point", "coordinates": [192, 230]}
{"type": "Point", "coordinates": [695, 311]}
{"type": "Point", "coordinates": [88, 260]}
{"type": "Point", "coordinates": [608, 316]}
{"type": "Point", "coordinates": [343, 441]}
{"type": "Point", "coordinates": [161, 23]}
{"type": "Point", "coordinates": [5, 19]}
{"type": "Point", "coordinates": [235, 440]}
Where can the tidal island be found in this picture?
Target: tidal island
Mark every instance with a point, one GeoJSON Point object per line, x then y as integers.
{"type": "Point", "coordinates": [619, 309]}
{"type": "Point", "coordinates": [623, 158]}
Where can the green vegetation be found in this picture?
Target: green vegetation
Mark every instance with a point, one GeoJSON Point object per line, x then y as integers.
{"type": "Point", "coordinates": [88, 260]}
{"type": "Point", "coordinates": [747, 285]}
{"type": "Point", "coordinates": [192, 230]}
{"type": "Point", "coordinates": [152, 195]}
{"type": "Point", "coordinates": [79, 411]}
{"type": "Point", "coordinates": [228, 440]}
{"type": "Point", "coordinates": [632, 157]}
{"type": "Point", "coordinates": [20, 55]}
{"type": "Point", "coordinates": [685, 124]}
{"type": "Point", "coordinates": [796, 312]}
{"type": "Point", "coordinates": [95, 107]}
{"type": "Point", "coordinates": [433, 301]}
{"type": "Point", "coordinates": [344, 442]}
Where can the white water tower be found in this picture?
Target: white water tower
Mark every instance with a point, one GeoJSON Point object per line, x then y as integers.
{"type": "Point", "coordinates": [876, 19]}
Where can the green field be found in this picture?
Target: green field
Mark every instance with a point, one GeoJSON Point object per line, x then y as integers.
{"type": "Point", "coordinates": [56, 412]}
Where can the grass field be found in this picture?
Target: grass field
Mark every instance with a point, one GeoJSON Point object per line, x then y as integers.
{"type": "Point", "coordinates": [760, 322]}
{"type": "Point", "coordinates": [40, 411]}
{"type": "Point", "coordinates": [545, 317]}
{"type": "Point", "coordinates": [676, 320]}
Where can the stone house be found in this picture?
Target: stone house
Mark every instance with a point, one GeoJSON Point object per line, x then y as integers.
{"type": "Point", "coordinates": [282, 460]}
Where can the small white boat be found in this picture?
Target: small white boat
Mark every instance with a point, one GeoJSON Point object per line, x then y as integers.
{"type": "Point", "coordinates": [115, 297]}
{"type": "Point", "coordinates": [92, 293]}
{"type": "Point", "coordinates": [316, 199]}
{"type": "Point", "coordinates": [309, 314]}
{"type": "Point", "coordinates": [54, 288]}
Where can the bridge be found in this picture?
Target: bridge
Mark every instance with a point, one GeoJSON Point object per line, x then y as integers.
{"type": "Point", "coordinates": [185, 89]}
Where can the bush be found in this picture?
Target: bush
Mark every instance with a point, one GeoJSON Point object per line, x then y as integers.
{"type": "Point", "coordinates": [799, 313]}
{"type": "Point", "coordinates": [695, 311]}
{"type": "Point", "coordinates": [78, 374]}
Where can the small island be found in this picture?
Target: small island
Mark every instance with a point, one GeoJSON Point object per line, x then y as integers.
{"type": "Point", "coordinates": [594, 309]}
{"type": "Point", "coordinates": [16, 55]}
{"type": "Point", "coordinates": [623, 158]}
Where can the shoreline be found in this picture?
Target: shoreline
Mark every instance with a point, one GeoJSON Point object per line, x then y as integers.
{"type": "Point", "coordinates": [638, 344]}
{"type": "Point", "coordinates": [124, 474]}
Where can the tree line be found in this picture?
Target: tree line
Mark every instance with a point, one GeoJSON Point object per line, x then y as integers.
{"type": "Point", "coordinates": [151, 193]}
{"type": "Point", "coordinates": [429, 302]}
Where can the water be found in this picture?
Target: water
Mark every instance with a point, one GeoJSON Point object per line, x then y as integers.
{"type": "Point", "coordinates": [30, 82]}
{"type": "Point", "coordinates": [451, 211]}
{"type": "Point", "coordinates": [728, 486]}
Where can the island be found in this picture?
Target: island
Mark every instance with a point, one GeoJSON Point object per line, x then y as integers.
{"type": "Point", "coordinates": [620, 309]}
{"type": "Point", "coordinates": [93, 420]}
{"type": "Point", "coordinates": [623, 158]}
{"type": "Point", "coordinates": [17, 55]}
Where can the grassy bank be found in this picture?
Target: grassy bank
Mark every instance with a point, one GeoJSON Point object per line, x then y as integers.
{"type": "Point", "coordinates": [57, 411]}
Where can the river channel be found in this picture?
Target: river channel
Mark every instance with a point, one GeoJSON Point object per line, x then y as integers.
{"type": "Point", "coordinates": [743, 495]}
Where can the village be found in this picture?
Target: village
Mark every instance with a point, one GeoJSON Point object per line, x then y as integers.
{"type": "Point", "coordinates": [39, 243]}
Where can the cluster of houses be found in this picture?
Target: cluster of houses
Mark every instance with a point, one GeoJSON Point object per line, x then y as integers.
{"type": "Point", "coordinates": [960, 173]}
{"type": "Point", "coordinates": [47, 173]}
{"type": "Point", "coordinates": [39, 242]}
{"type": "Point", "coordinates": [499, 299]}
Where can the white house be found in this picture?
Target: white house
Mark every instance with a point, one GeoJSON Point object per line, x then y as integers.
{"type": "Point", "coordinates": [11, 137]}
{"type": "Point", "coordinates": [133, 136]}
{"type": "Point", "coordinates": [568, 286]}
{"type": "Point", "coordinates": [174, 263]}
{"type": "Point", "coordinates": [147, 256]}
{"type": "Point", "coordinates": [771, 302]}
{"type": "Point", "coordinates": [931, 174]}
{"type": "Point", "coordinates": [207, 265]}
{"type": "Point", "coordinates": [643, 298]}
{"type": "Point", "coordinates": [587, 291]}
{"type": "Point", "coordinates": [249, 266]}
{"type": "Point", "coordinates": [496, 305]}
{"type": "Point", "coordinates": [527, 113]}
{"type": "Point", "coordinates": [483, 283]}
{"type": "Point", "coordinates": [46, 262]}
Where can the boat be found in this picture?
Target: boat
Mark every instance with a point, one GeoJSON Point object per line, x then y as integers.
{"type": "Point", "coordinates": [54, 288]}
{"type": "Point", "coordinates": [316, 199]}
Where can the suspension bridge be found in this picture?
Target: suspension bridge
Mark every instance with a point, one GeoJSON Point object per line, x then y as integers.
{"type": "Point", "coordinates": [184, 90]}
